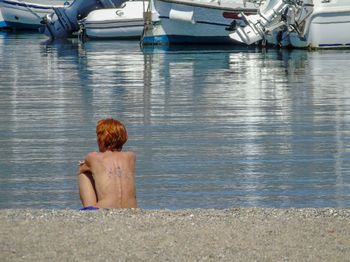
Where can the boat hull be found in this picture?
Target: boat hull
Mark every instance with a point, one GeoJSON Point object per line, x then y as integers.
{"type": "Point", "coordinates": [193, 22]}
{"type": "Point", "coordinates": [327, 27]}
{"type": "Point", "coordinates": [25, 15]}
{"type": "Point", "coordinates": [126, 30]}
{"type": "Point", "coordinates": [126, 22]}
{"type": "Point", "coordinates": [2, 21]}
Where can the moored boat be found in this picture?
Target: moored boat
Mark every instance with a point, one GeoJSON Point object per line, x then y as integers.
{"type": "Point", "coordinates": [299, 24]}
{"type": "Point", "coordinates": [123, 22]}
{"type": "Point", "coordinates": [2, 21]}
{"type": "Point", "coordinates": [18, 14]}
{"type": "Point", "coordinates": [64, 21]}
{"type": "Point", "coordinates": [194, 21]}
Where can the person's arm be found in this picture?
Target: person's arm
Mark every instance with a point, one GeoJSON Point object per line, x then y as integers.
{"type": "Point", "coordinates": [85, 165]}
{"type": "Point", "coordinates": [88, 163]}
{"type": "Point", "coordinates": [83, 168]}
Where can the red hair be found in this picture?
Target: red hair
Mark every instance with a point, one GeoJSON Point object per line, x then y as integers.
{"type": "Point", "coordinates": [111, 134]}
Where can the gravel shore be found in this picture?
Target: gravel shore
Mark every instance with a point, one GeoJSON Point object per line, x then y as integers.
{"type": "Point", "coordinates": [242, 234]}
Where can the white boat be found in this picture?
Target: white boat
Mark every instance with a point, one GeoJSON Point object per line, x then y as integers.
{"type": "Point", "coordinates": [124, 22]}
{"type": "Point", "coordinates": [310, 24]}
{"type": "Point", "coordinates": [26, 14]}
{"type": "Point", "coordinates": [63, 22]}
{"type": "Point", "coordinates": [194, 21]}
{"type": "Point", "coordinates": [2, 21]}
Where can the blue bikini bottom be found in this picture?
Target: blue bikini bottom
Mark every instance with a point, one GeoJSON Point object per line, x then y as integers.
{"type": "Point", "coordinates": [89, 208]}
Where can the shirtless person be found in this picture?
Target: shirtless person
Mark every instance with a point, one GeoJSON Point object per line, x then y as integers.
{"type": "Point", "coordinates": [107, 178]}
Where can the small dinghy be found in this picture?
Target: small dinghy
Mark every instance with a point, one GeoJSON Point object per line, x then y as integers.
{"type": "Point", "coordinates": [116, 23]}
{"type": "Point", "coordinates": [64, 21]}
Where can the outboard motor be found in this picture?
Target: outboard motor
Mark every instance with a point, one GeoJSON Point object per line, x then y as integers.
{"type": "Point", "coordinates": [64, 20]}
{"type": "Point", "coordinates": [272, 15]}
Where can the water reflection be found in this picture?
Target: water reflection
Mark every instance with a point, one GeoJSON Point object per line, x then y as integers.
{"type": "Point", "coordinates": [211, 126]}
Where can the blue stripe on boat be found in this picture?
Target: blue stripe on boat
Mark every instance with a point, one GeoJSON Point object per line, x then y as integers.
{"type": "Point", "coordinates": [3, 24]}
{"type": "Point", "coordinates": [201, 22]}
{"type": "Point", "coordinates": [183, 39]}
{"type": "Point", "coordinates": [22, 26]}
{"type": "Point", "coordinates": [330, 45]}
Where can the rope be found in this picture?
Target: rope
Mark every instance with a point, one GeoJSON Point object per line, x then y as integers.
{"type": "Point", "coordinates": [30, 10]}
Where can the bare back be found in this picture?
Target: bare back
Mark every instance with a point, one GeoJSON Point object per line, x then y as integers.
{"type": "Point", "coordinates": [114, 176]}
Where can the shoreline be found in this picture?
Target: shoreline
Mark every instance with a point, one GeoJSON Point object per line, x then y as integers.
{"type": "Point", "coordinates": [237, 234]}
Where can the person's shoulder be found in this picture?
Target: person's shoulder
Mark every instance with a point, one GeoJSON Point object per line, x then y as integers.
{"type": "Point", "coordinates": [129, 154]}
{"type": "Point", "coordinates": [92, 155]}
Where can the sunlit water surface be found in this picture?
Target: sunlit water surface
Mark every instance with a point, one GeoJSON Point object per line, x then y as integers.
{"type": "Point", "coordinates": [211, 127]}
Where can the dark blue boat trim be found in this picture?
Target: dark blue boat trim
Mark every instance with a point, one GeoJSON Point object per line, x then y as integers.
{"type": "Point", "coordinates": [22, 26]}
{"type": "Point", "coordinates": [330, 45]}
{"type": "Point", "coordinates": [182, 39]}
{"type": "Point", "coordinates": [3, 24]}
{"type": "Point", "coordinates": [201, 22]}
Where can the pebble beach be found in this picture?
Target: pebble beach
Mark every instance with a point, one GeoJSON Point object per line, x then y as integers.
{"type": "Point", "coordinates": [239, 234]}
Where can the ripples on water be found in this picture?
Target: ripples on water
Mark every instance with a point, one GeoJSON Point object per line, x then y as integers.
{"type": "Point", "coordinates": [211, 127]}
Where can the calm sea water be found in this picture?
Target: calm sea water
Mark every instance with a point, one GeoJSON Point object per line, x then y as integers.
{"type": "Point", "coordinates": [211, 127]}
